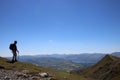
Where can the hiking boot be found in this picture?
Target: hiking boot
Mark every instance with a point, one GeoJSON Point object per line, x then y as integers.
{"type": "Point", "coordinates": [12, 61]}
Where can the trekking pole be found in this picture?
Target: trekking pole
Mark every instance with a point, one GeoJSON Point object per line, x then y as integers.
{"type": "Point", "coordinates": [18, 56]}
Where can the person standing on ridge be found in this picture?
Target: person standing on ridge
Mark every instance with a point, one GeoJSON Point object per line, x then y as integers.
{"type": "Point", "coordinates": [13, 48]}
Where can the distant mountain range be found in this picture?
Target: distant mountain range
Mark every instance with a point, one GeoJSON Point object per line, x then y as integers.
{"type": "Point", "coordinates": [54, 63]}
{"type": "Point", "coordinates": [70, 63]}
{"type": "Point", "coordinates": [116, 54]}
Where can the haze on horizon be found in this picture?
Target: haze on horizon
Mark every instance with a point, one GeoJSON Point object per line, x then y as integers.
{"type": "Point", "coordinates": [60, 26]}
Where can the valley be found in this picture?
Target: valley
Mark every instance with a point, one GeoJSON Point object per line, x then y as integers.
{"type": "Point", "coordinates": [64, 67]}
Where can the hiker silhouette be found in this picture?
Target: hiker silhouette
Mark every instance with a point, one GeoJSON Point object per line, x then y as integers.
{"type": "Point", "coordinates": [13, 48]}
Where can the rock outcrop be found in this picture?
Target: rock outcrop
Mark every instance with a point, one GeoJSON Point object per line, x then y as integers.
{"type": "Point", "coordinates": [21, 75]}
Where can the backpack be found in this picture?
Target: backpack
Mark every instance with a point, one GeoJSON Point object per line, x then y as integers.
{"type": "Point", "coordinates": [11, 46]}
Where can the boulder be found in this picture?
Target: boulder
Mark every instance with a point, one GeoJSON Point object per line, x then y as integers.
{"type": "Point", "coordinates": [43, 74]}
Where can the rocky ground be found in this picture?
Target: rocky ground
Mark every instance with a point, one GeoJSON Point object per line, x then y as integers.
{"type": "Point", "coordinates": [21, 75]}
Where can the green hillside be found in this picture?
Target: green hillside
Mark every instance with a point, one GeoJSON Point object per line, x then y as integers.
{"type": "Point", "coordinates": [33, 69]}
{"type": "Point", "coordinates": [106, 69]}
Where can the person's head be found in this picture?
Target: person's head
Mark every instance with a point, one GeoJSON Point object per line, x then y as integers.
{"type": "Point", "coordinates": [15, 42]}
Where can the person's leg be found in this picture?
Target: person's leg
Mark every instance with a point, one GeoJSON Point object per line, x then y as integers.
{"type": "Point", "coordinates": [15, 56]}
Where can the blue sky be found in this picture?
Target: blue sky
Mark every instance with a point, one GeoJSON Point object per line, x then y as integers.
{"type": "Point", "coordinates": [60, 26]}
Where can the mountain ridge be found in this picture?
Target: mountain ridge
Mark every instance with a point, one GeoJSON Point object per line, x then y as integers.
{"type": "Point", "coordinates": [107, 68]}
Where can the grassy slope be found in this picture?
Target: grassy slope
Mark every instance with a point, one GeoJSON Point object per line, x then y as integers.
{"type": "Point", "coordinates": [106, 69]}
{"type": "Point", "coordinates": [33, 69]}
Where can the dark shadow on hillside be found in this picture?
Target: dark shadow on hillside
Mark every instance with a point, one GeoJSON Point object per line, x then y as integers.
{"type": "Point", "coordinates": [1, 67]}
